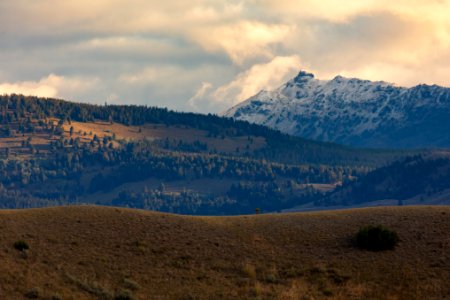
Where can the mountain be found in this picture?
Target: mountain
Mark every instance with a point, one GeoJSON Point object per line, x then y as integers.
{"type": "Point", "coordinates": [91, 252]}
{"type": "Point", "coordinates": [54, 152]}
{"type": "Point", "coordinates": [353, 112]}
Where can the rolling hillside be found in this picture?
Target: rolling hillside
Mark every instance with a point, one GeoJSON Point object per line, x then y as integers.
{"type": "Point", "coordinates": [110, 253]}
{"type": "Point", "coordinates": [54, 152]}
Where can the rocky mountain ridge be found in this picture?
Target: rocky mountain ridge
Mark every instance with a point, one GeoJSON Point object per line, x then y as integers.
{"type": "Point", "coordinates": [354, 112]}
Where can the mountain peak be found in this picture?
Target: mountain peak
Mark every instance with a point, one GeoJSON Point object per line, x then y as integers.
{"type": "Point", "coordinates": [303, 76]}
{"type": "Point", "coordinates": [338, 78]}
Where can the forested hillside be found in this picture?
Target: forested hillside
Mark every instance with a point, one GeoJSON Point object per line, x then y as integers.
{"type": "Point", "coordinates": [56, 152]}
{"type": "Point", "coordinates": [417, 176]}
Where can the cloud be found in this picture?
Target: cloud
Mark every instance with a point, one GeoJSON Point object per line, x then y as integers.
{"type": "Point", "coordinates": [381, 46]}
{"type": "Point", "coordinates": [244, 40]}
{"type": "Point", "coordinates": [246, 84]}
{"type": "Point", "coordinates": [50, 86]}
{"type": "Point", "coordinates": [164, 85]}
{"type": "Point", "coordinates": [208, 54]}
{"type": "Point", "coordinates": [345, 10]}
{"type": "Point", "coordinates": [204, 92]}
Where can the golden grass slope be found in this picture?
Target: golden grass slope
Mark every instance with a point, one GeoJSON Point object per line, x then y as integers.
{"type": "Point", "coordinates": [85, 131]}
{"type": "Point", "coordinates": [106, 253]}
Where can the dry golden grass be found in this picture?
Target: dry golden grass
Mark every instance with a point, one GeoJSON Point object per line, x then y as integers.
{"type": "Point", "coordinates": [86, 131]}
{"type": "Point", "coordinates": [100, 253]}
{"type": "Point", "coordinates": [157, 131]}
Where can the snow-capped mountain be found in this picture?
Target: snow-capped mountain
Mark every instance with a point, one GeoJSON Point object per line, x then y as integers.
{"type": "Point", "coordinates": [353, 111]}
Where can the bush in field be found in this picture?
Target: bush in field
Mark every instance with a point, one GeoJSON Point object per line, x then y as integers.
{"type": "Point", "coordinates": [21, 245]}
{"type": "Point", "coordinates": [376, 238]}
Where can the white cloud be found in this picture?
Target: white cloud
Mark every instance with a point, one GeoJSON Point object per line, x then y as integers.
{"type": "Point", "coordinates": [244, 40]}
{"type": "Point", "coordinates": [199, 97]}
{"type": "Point", "coordinates": [50, 86]}
{"type": "Point", "coordinates": [246, 84]}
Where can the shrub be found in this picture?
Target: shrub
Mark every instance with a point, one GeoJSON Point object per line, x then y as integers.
{"type": "Point", "coordinates": [131, 284]}
{"type": "Point", "coordinates": [124, 295]}
{"type": "Point", "coordinates": [249, 271]}
{"type": "Point", "coordinates": [34, 293]}
{"type": "Point", "coordinates": [376, 238]}
{"type": "Point", "coordinates": [56, 297]}
{"type": "Point", "coordinates": [21, 245]}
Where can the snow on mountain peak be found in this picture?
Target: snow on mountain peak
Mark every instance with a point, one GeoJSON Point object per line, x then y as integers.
{"type": "Point", "coordinates": [303, 77]}
{"type": "Point", "coordinates": [352, 111]}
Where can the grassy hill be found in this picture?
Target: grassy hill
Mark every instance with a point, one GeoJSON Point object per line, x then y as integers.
{"type": "Point", "coordinates": [106, 253]}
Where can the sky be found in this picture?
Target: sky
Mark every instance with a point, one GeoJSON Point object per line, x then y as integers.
{"type": "Point", "coordinates": [206, 56]}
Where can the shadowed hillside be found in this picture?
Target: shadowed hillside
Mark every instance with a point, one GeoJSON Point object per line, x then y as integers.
{"type": "Point", "coordinates": [414, 180]}
{"type": "Point", "coordinates": [105, 253]}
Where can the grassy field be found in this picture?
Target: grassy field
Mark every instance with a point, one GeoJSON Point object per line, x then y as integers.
{"type": "Point", "coordinates": [91, 252]}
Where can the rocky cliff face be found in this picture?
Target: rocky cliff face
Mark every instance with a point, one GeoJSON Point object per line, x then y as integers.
{"type": "Point", "coordinates": [353, 111]}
